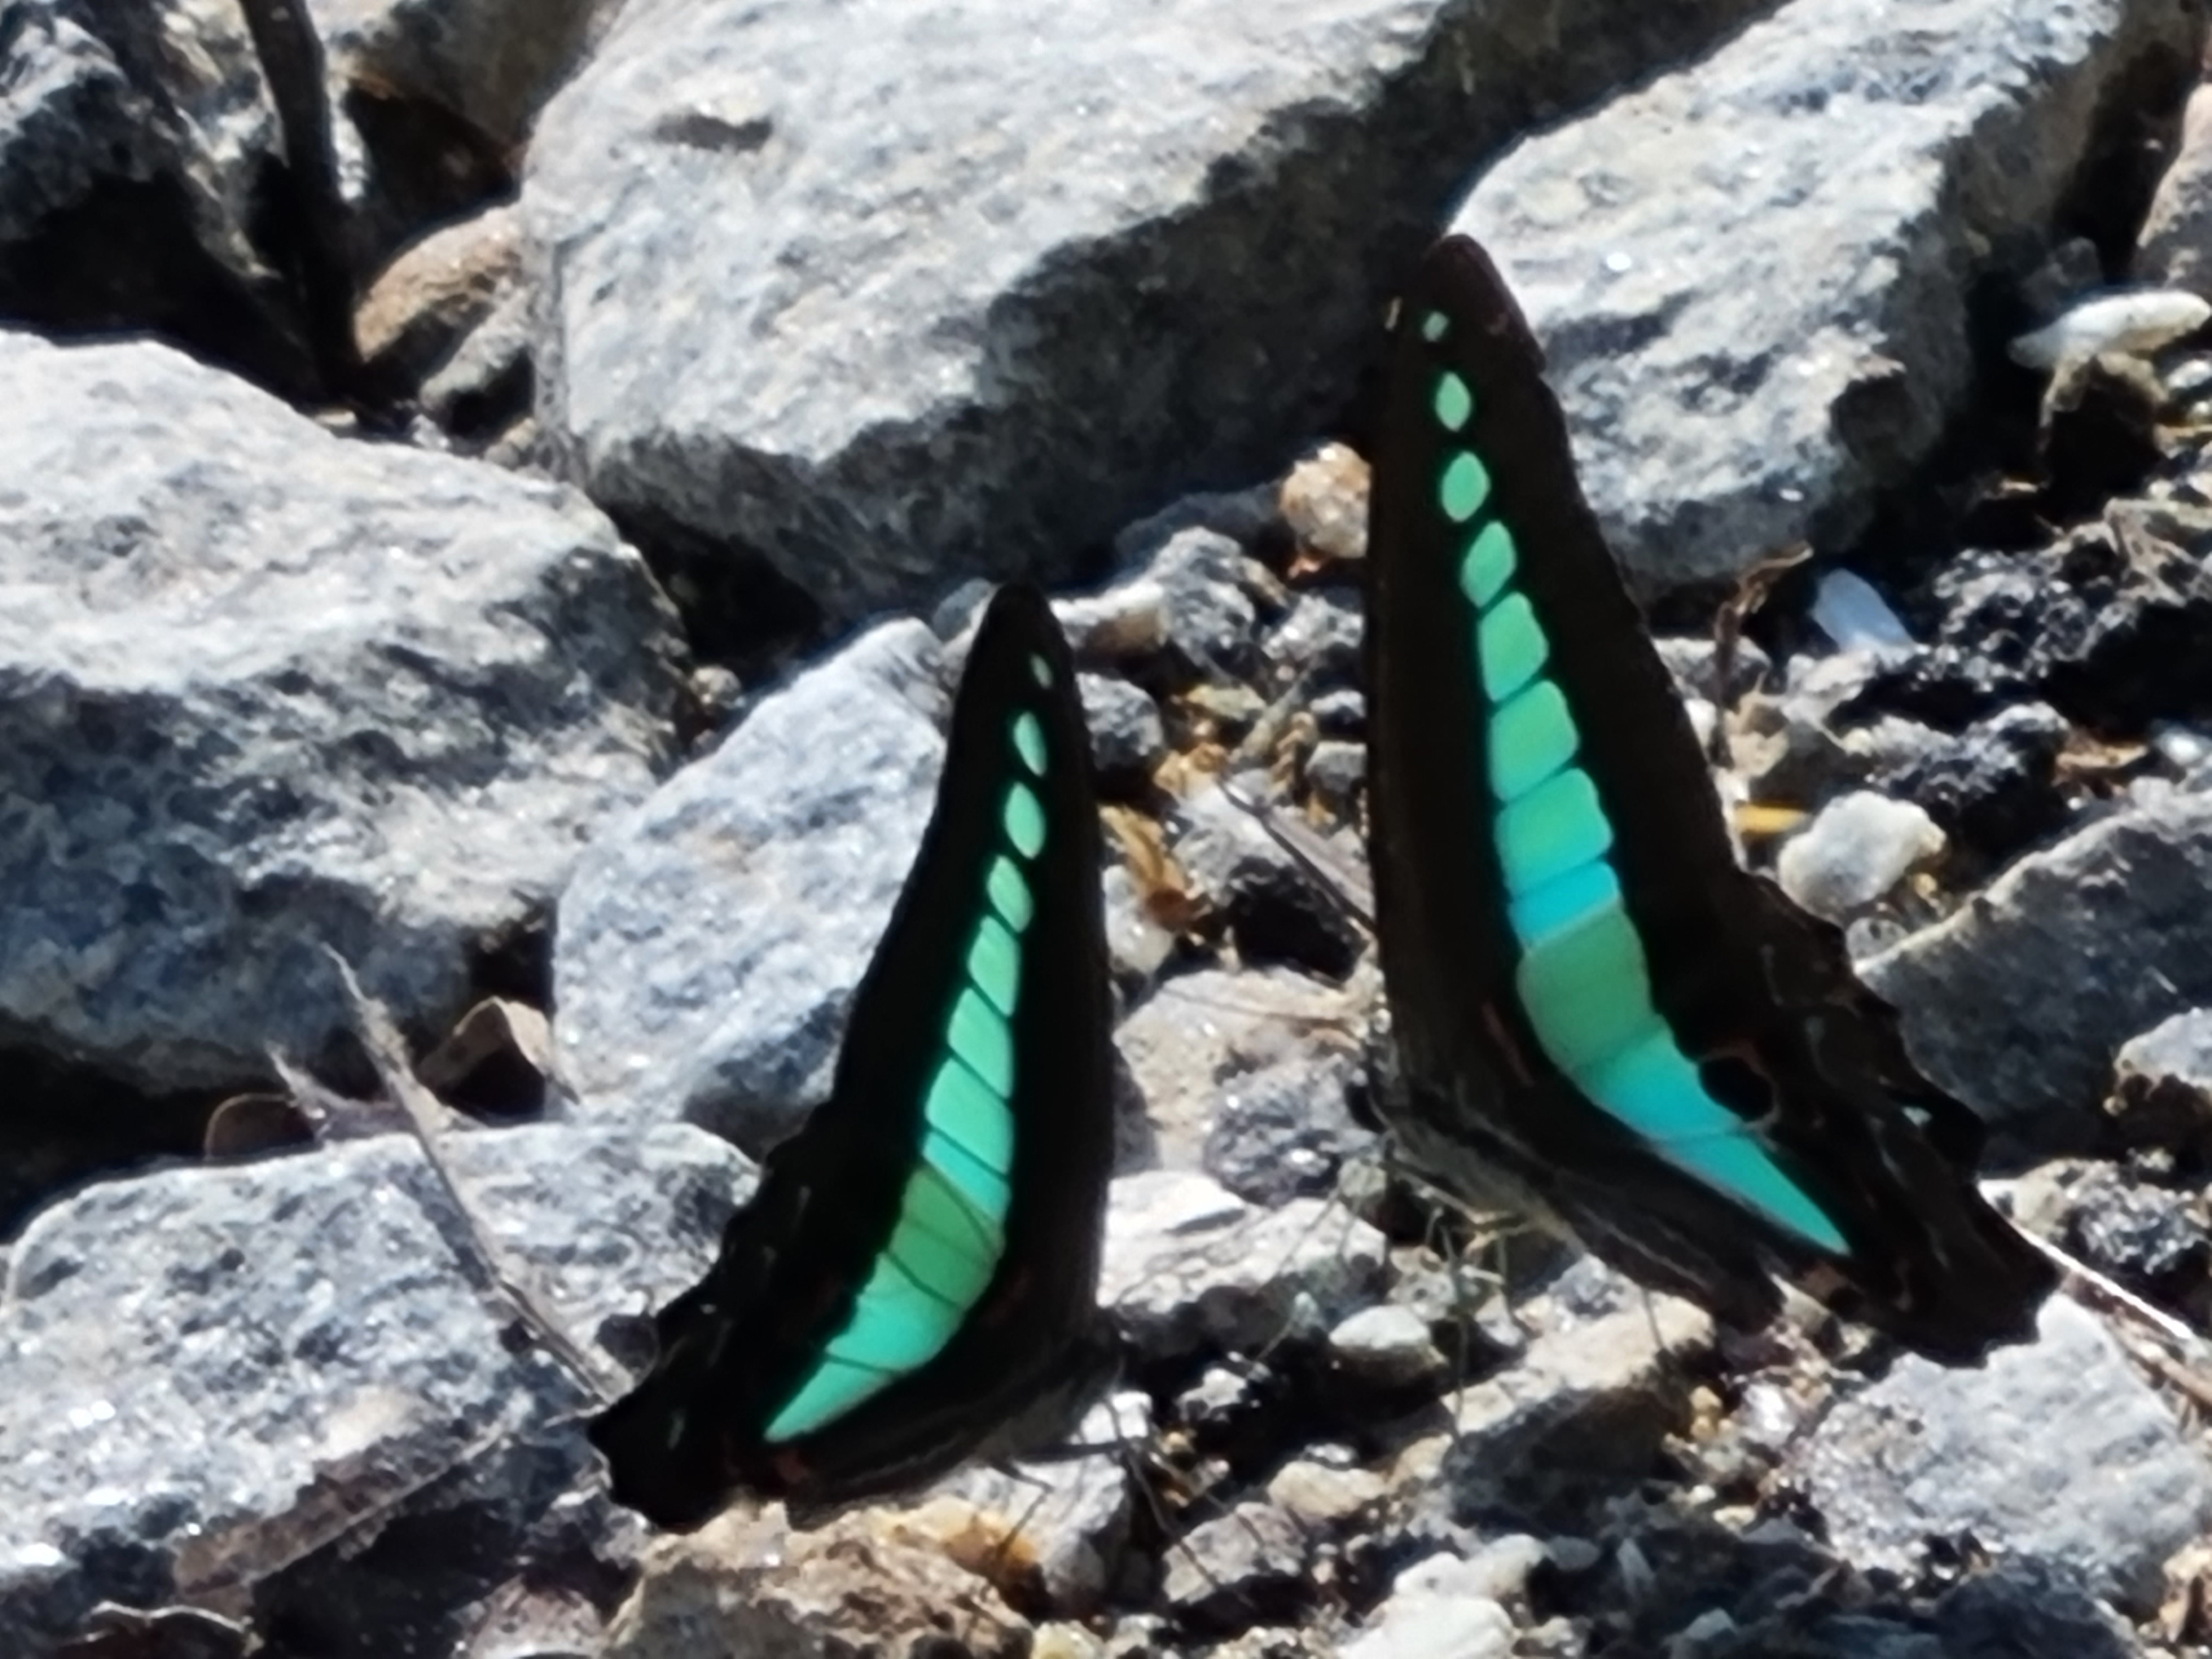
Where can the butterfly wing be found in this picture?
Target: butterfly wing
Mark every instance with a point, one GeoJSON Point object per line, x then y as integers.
{"type": "Point", "coordinates": [913, 1280]}
{"type": "Point", "coordinates": [1587, 991]}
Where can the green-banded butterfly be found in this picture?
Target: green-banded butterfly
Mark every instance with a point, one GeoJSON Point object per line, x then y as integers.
{"type": "Point", "coordinates": [914, 1281]}
{"type": "Point", "coordinates": [1593, 1005]}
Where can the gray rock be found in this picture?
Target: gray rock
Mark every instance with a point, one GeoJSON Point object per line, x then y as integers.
{"type": "Point", "coordinates": [1201, 1032]}
{"type": "Point", "coordinates": [263, 690]}
{"type": "Point", "coordinates": [133, 142]}
{"type": "Point", "coordinates": [1275, 911]}
{"type": "Point", "coordinates": [1074, 1511]}
{"type": "Point", "coordinates": [1341, 713]}
{"type": "Point", "coordinates": [1436, 1609]}
{"type": "Point", "coordinates": [492, 63]}
{"type": "Point", "coordinates": [1318, 639]}
{"type": "Point", "coordinates": [1334, 772]}
{"type": "Point", "coordinates": [1191, 1266]}
{"type": "Point", "coordinates": [1596, 1397]}
{"type": "Point", "coordinates": [991, 282]}
{"type": "Point", "coordinates": [2162, 1083]}
{"type": "Point", "coordinates": [709, 946]}
{"type": "Point", "coordinates": [1387, 1348]}
{"type": "Point", "coordinates": [236, 1365]}
{"type": "Point", "coordinates": [2060, 1451]}
{"type": "Point", "coordinates": [2017, 1002]}
{"type": "Point", "coordinates": [1327, 1490]}
{"type": "Point", "coordinates": [1210, 618]}
{"type": "Point", "coordinates": [2174, 249]}
{"type": "Point", "coordinates": [1286, 1129]}
{"type": "Point", "coordinates": [1243, 1568]}
{"type": "Point", "coordinates": [1749, 276]}
{"type": "Point", "coordinates": [1126, 737]}
{"type": "Point", "coordinates": [1854, 850]}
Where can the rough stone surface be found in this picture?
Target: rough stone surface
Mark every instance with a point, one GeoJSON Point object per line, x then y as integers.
{"type": "Point", "coordinates": [264, 691]}
{"type": "Point", "coordinates": [1436, 1609]}
{"type": "Point", "coordinates": [710, 942]}
{"type": "Point", "coordinates": [134, 141]}
{"type": "Point", "coordinates": [1856, 849]}
{"type": "Point", "coordinates": [2018, 1002]}
{"type": "Point", "coordinates": [2058, 1451]}
{"type": "Point", "coordinates": [1747, 276]}
{"type": "Point", "coordinates": [1190, 1266]}
{"type": "Point", "coordinates": [924, 362]}
{"type": "Point", "coordinates": [1200, 1033]}
{"type": "Point", "coordinates": [235, 1365]}
{"type": "Point", "coordinates": [492, 63]}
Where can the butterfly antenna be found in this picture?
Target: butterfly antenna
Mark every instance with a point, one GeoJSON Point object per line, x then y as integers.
{"type": "Point", "coordinates": [387, 1052]}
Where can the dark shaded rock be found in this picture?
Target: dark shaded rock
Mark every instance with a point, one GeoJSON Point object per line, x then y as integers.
{"type": "Point", "coordinates": [1126, 737]}
{"type": "Point", "coordinates": [1210, 618]}
{"type": "Point", "coordinates": [2028, 1610]}
{"type": "Point", "coordinates": [2112, 626]}
{"type": "Point", "coordinates": [1285, 1131]}
{"type": "Point", "coordinates": [1993, 788]}
{"type": "Point", "coordinates": [1249, 1567]}
{"type": "Point", "coordinates": [1275, 912]}
{"type": "Point", "coordinates": [2162, 1086]}
{"type": "Point", "coordinates": [137, 150]}
{"type": "Point", "coordinates": [1341, 713]}
{"type": "Point", "coordinates": [1318, 638]}
{"type": "Point", "coordinates": [2017, 1002]}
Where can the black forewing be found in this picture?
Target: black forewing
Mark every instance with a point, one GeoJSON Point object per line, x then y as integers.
{"type": "Point", "coordinates": [735, 1346]}
{"type": "Point", "coordinates": [1759, 993]}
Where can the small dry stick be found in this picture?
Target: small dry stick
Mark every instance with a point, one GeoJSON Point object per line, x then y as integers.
{"type": "Point", "coordinates": [388, 1053]}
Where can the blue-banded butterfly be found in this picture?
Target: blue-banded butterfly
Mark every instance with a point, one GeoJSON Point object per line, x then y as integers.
{"type": "Point", "coordinates": [1592, 1003]}
{"type": "Point", "coordinates": [913, 1283]}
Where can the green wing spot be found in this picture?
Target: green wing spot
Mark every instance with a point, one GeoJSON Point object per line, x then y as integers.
{"type": "Point", "coordinates": [1455, 403]}
{"type": "Point", "coordinates": [1009, 892]}
{"type": "Point", "coordinates": [1587, 990]}
{"type": "Point", "coordinates": [1487, 565]}
{"type": "Point", "coordinates": [1024, 820]}
{"type": "Point", "coordinates": [981, 1038]}
{"type": "Point", "coordinates": [960, 1107]}
{"type": "Point", "coordinates": [1040, 669]}
{"type": "Point", "coordinates": [1465, 488]}
{"type": "Point", "coordinates": [834, 1389]}
{"type": "Point", "coordinates": [994, 964]}
{"type": "Point", "coordinates": [896, 1325]}
{"type": "Point", "coordinates": [940, 1260]}
{"type": "Point", "coordinates": [1435, 326]}
{"type": "Point", "coordinates": [1562, 901]}
{"type": "Point", "coordinates": [1028, 743]}
{"type": "Point", "coordinates": [982, 1186]}
{"type": "Point", "coordinates": [1510, 645]}
{"type": "Point", "coordinates": [1551, 829]}
{"type": "Point", "coordinates": [1651, 1087]}
{"type": "Point", "coordinates": [1532, 736]}
{"type": "Point", "coordinates": [945, 1241]}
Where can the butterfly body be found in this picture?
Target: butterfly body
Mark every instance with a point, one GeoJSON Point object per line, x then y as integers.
{"type": "Point", "coordinates": [913, 1283]}
{"type": "Point", "coordinates": [1591, 1000]}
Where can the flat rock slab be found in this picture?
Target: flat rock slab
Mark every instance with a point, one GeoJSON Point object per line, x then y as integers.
{"type": "Point", "coordinates": [263, 690]}
{"type": "Point", "coordinates": [1751, 276]}
{"type": "Point", "coordinates": [2058, 1451]}
{"type": "Point", "coordinates": [233, 1365]}
{"type": "Point", "coordinates": [893, 295]}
